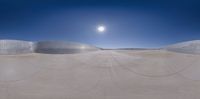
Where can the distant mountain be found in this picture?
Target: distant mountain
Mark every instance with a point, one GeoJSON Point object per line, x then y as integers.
{"type": "Point", "coordinates": [131, 49]}
{"type": "Point", "coordinates": [192, 47]}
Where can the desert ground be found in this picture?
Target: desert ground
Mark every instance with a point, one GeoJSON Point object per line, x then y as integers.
{"type": "Point", "coordinates": [103, 74]}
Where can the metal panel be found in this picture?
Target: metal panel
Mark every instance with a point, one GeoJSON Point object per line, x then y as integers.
{"type": "Point", "coordinates": [48, 47]}
{"type": "Point", "coordinates": [190, 47]}
{"type": "Point", "coordinates": [58, 47]}
{"type": "Point", "coordinates": [15, 47]}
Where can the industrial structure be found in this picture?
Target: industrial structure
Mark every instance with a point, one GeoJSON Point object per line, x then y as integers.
{"type": "Point", "coordinates": [48, 47]}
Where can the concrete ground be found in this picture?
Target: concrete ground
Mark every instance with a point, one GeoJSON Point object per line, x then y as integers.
{"type": "Point", "coordinates": [108, 74]}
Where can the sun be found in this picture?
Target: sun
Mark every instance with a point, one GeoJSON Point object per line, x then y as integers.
{"type": "Point", "coordinates": [101, 28]}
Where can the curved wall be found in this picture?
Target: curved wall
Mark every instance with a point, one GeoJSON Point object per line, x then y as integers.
{"type": "Point", "coordinates": [48, 47]}
{"type": "Point", "coordinates": [15, 47]}
{"type": "Point", "coordinates": [57, 47]}
{"type": "Point", "coordinates": [190, 47]}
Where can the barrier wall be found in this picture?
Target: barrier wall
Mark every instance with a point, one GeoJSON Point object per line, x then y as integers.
{"type": "Point", "coordinates": [15, 47]}
{"type": "Point", "coordinates": [190, 47]}
{"type": "Point", "coordinates": [56, 47]}
{"type": "Point", "coordinates": [48, 47]}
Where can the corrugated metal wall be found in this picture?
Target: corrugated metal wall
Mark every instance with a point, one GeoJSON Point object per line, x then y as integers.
{"type": "Point", "coordinates": [15, 47]}
{"type": "Point", "coordinates": [49, 47]}
{"type": "Point", "coordinates": [56, 47]}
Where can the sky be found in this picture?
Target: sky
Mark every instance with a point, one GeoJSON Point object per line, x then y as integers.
{"type": "Point", "coordinates": [129, 23]}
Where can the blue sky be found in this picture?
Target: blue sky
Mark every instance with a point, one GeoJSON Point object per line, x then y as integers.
{"type": "Point", "coordinates": [129, 23]}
